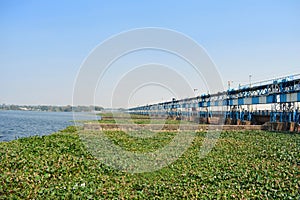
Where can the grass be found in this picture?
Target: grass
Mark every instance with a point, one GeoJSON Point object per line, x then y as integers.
{"type": "Point", "coordinates": [242, 165]}
{"type": "Point", "coordinates": [109, 118]}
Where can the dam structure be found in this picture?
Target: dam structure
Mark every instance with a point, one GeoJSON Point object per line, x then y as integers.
{"type": "Point", "coordinates": [274, 103]}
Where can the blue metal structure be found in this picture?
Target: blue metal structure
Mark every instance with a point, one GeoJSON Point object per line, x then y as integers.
{"type": "Point", "coordinates": [281, 94]}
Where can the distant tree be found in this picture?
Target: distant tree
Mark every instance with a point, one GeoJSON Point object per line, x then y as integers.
{"type": "Point", "coordinates": [98, 108]}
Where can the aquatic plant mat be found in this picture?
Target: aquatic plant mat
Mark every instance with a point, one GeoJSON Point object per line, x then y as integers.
{"type": "Point", "coordinates": [242, 165]}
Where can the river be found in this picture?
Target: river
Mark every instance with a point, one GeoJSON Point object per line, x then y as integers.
{"type": "Point", "coordinates": [17, 124]}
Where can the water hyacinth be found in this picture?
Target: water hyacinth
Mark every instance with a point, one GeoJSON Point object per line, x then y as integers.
{"type": "Point", "coordinates": [242, 165]}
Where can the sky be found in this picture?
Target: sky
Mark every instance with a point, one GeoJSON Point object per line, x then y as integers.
{"type": "Point", "coordinates": [43, 44]}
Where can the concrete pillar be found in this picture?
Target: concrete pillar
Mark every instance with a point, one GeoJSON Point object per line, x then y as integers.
{"type": "Point", "coordinates": [292, 126]}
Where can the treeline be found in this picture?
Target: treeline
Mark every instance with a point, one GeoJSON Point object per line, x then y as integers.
{"type": "Point", "coordinates": [67, 108]}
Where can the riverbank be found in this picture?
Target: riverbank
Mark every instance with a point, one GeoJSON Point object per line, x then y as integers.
{"type": "Point", "coordinates": [242, 165]}
{"type": "Point", "coordinates": [50, 108]}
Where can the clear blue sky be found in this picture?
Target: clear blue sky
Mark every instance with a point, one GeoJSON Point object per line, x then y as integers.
{"type": "Point", "coordinates": [43, 43]}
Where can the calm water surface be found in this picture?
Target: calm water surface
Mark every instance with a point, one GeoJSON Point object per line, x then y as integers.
{"type": "Point", "coordinates": [16, 124]}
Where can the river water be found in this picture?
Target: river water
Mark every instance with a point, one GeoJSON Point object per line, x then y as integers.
{"type": "Point", "coordinates": [17, 124]}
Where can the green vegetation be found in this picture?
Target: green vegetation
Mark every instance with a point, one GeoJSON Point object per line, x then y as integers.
{"type": "Point", "coordinates": [109, 118]}
{"type": "Point", "coordinates": [242, 165]}
{"type": "Point", "coordinates": [47, 108]}
{"type": "Point", "coordinates": [71, 129]}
